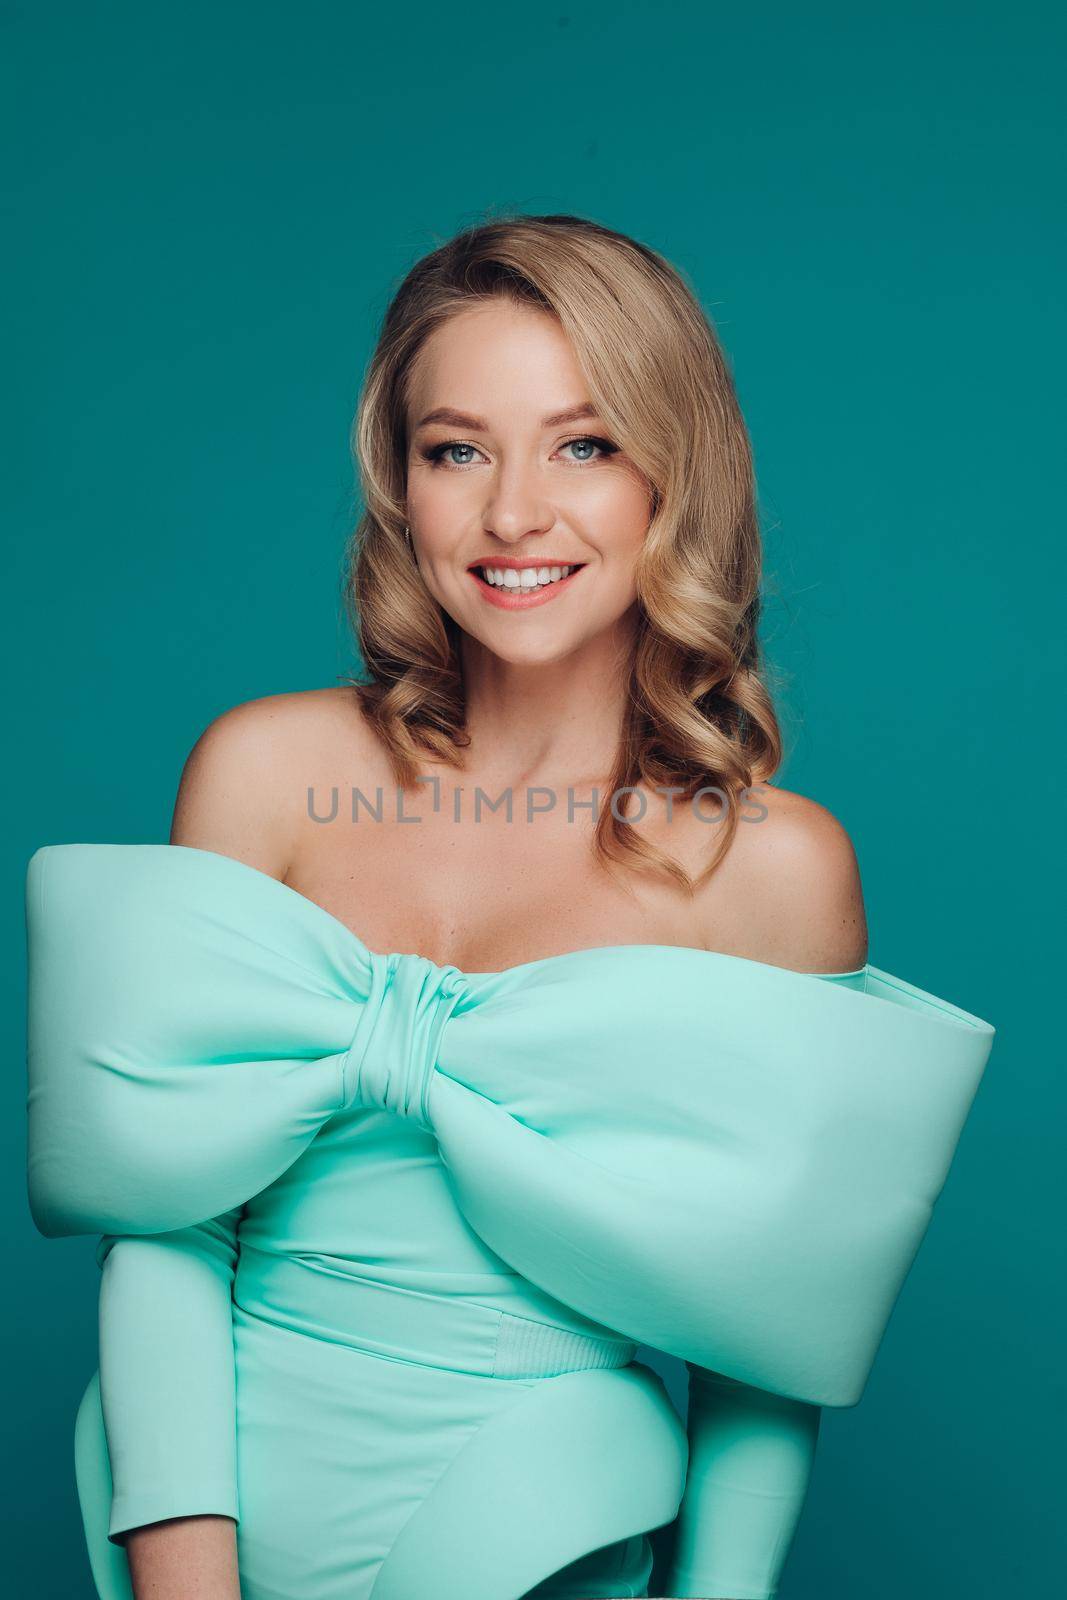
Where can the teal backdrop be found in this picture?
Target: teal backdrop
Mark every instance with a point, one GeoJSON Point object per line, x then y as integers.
{"type": "Point", "coordinates": [209, 207]}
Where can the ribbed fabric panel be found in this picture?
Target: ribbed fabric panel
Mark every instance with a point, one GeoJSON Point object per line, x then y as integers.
{"type": "Point", "coordinates": [526, 1349]}
{"type": "Point", "coordinates": [328, 1299]}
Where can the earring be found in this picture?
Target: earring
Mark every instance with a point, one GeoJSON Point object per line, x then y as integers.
{"type": "Point", "coordinates": [407, 533]}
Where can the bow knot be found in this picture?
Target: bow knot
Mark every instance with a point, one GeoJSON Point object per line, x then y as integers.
{"type": "Point", "coordinates": [396, 1045]}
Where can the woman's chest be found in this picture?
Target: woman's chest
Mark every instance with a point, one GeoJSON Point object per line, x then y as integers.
{"type": "Point", "coordinates": [484, 888]}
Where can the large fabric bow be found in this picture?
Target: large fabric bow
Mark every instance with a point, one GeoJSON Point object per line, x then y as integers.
{"type": "Point", "coordinates": [728, 1161]}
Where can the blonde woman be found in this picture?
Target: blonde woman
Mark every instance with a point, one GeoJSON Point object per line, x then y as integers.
{"type": "Point", "coordinates": [489, 1016]}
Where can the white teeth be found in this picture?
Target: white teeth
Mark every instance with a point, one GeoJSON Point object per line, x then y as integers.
{"type": "Point", "coordinates": [524, 578]}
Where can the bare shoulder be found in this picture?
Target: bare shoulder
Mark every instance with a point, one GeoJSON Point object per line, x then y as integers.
{"type": "Point", "coordinates": [244, 784]}
{"type": "Point", "coordinates": [799, 874]}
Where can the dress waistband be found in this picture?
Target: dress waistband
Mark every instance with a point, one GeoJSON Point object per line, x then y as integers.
{"type": "Point", "coordinates": [307, 1295]}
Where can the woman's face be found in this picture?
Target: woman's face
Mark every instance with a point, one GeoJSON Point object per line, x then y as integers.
{"type": "Point", "coordinates": [499, 477]}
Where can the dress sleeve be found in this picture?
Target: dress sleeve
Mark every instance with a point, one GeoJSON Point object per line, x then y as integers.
{"type": "Point", "coordinates": [167, 1386]}
{"type": "Point", "coordinates": [750, 1459]}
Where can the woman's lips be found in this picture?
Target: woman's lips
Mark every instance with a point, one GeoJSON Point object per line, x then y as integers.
{"type": "Point", "coordinates": [517, 599]}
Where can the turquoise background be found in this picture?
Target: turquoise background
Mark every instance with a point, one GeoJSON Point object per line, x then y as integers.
{"type": "Point", "coordinates": [210, 208]}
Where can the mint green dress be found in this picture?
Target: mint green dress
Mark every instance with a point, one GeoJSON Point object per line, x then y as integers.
{"type": "Point", "coordinates": [380, 1238]}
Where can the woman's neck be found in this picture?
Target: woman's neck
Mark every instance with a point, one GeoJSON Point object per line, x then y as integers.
{"type": "Point", "coordinates": [552, 722]}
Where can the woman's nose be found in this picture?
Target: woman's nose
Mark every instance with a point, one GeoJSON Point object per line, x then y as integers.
{"type": "Point", "coordinates": [517, 504]}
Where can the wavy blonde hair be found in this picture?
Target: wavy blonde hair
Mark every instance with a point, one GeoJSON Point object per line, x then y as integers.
{"type": "Point", "coordinates": [699, 712]}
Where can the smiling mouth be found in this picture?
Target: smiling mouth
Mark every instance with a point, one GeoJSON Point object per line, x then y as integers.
{"type": "Point", "coordinates": [524, 580]}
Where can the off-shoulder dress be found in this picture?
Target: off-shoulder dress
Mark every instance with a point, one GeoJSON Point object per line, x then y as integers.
{"type": "Point", "coordinates": [380, 1239]}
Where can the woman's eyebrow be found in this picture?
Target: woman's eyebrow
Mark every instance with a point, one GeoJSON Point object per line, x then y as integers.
{"type": "Point", "coordinates": [462, 419]}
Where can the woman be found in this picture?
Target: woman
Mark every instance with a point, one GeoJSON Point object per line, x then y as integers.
{"type": "Point", "coordinates": [381, 1232]}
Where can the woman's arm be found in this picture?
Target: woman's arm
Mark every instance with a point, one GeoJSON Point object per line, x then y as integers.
{"type": "Point", "coordinates": [190, 1558]}
{"type": "Point", "coordinates": [167, 1383]}
{"type": "Point", "coordinates": [751, 1452]}
{"type": "Point", "coordinates": [167, 1392]}
{"type": "Point", "coordinates": [750, 1459]}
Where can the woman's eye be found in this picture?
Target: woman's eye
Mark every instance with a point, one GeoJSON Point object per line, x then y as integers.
{"type": "Point", "coordinates": [585, 443]}
{"type": "Point", "coordinates": [442, 450]}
